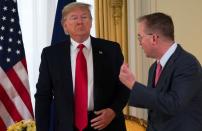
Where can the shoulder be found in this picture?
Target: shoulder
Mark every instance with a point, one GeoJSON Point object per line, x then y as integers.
{"type": "Point", "coordinates": [58, 47]}
{"type": "Point", "coordinates": [186, 58]}
{"type": "Point", "coordinates": [104, 42]}
{"type": "Point", "coordinates": [186, 63]}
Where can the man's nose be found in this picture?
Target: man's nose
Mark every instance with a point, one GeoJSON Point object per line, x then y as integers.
{"type": "Point", "coordinates": [80, 20]}
{"type": "Point", "coordinates": [140, 43]}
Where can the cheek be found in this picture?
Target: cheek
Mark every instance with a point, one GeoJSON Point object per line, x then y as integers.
{"type": "Point", "coordinates": [88, 24]}
{"type": "Point", "coordinates": [145, 46]}
{"type": "Point", "coordinates": [65, 26]}
{"type": "Point", "coordinates": [68, 25]}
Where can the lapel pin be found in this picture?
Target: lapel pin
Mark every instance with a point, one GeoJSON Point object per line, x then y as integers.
{"type": "Point", "coordinates": [100, 52]}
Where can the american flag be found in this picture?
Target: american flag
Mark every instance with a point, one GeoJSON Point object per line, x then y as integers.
{"type": "Point", "coordinates": [15, 101]}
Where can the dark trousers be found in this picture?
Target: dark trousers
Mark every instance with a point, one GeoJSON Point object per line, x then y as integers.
{"type": "Point", "coordinates": [91, 115]}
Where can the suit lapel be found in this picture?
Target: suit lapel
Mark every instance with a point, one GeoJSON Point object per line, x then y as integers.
{"type": "Point", "coordinates": [98, 59]}
{"type": "Point", "coordinates": [168, 67]}
{"type": "Point", "coordinates": [66, 65]}
{"type": "Point", "coordinates": [152, 76]}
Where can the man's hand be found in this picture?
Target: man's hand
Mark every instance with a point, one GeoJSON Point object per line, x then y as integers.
{"type": "Point", "coordinates": [103, 119]}
{"type": "Point", "coordinates": [126, 76]}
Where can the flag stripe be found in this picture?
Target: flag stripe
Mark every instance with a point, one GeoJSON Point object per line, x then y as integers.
{"type": "Point", "coordinates": [5, 116]}
{"type": "Point", "coordinates": [14, 96]}
{"type": "Point", "coordinates": [24, 63]}
{"type": "Point", "coordinates": [22, 74]}
{"type": "Point", "coordinates": [22, 91]}
{"type": "Point", "coordinates": [2, 125]}
{"type": "Point", "coordinates": [9, 105]}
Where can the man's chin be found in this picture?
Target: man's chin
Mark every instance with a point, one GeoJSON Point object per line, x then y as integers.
{"type": "Point", "coordinates": [147, 55]}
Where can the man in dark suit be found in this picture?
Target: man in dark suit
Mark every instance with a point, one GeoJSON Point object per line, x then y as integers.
{"type": "Point", "coordinates": [173, 95]}
{"type": "Point", "coordinates": [58, 79]}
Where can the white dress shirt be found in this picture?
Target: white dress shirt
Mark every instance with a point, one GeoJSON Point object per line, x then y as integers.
{"type": "Point", "coordinates": [87, 51]}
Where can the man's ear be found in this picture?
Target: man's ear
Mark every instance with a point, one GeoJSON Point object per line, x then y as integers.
{"type": "Point", "coordinates": [65, 28]}
{"type": "Point", "coordinates": [155, 38]}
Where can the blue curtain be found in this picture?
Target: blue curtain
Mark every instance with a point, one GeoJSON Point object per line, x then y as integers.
{"type": "Point", "coordinates": [58, 33]}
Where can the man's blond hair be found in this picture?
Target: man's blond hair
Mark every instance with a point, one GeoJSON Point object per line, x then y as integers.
{"type": "Point", "coordinates": [74, 5]}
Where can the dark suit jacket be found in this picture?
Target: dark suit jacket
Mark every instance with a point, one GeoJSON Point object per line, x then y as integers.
{"type": "Point", "coordinates": [175, 104]}
{"type": "Point", "coordinates": [55, 80]}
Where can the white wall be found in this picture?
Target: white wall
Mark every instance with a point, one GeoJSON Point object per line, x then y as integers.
{"type": "Point", "coordinates": [187, 19]}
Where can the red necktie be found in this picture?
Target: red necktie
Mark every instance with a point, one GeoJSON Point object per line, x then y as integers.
{"type": "Point", "coordinates": [81, 91]}
{"type": "Point", "coordinates": [158, 72]}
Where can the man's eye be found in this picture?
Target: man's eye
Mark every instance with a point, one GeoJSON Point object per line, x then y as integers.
{"type": "Point", "coordinates": [74, 18]}
{"type": "Point", "coordinates": [84, 17]}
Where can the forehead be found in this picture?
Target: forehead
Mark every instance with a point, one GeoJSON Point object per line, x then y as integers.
{"type": "Point", "coordinates": [141, 27]}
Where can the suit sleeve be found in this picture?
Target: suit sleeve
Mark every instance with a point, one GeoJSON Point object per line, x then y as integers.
{"type": "Point", "coordinates": [43, 96]}
{"type": "Point", "coordinates": [136, 95]}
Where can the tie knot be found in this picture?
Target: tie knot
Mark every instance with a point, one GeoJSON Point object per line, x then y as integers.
{"type": "Point", "coordinates": [159, 67]}
{"type": "Point", "coordinates": [81, 46]}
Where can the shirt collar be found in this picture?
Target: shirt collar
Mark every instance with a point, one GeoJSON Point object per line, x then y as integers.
{"type": "Point", "coordinates": [167, 55]}
{"type": "Point", "coordinates": [86, 43]}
